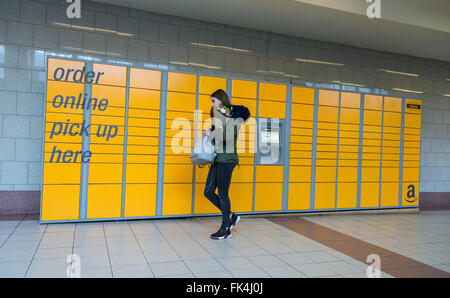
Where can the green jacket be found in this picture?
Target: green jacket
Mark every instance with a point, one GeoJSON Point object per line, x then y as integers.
{"type": "Point", "coordinates": [231, 131]}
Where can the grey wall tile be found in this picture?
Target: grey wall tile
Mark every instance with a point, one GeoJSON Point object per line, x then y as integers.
{"type": "Point", "coordinates": [14, 173]}
{"type": "Point", "coordinates": [28, 150]}
{"type": "Point", "coordinates": [138, 49]}
{"type": "Point", "coordinates": [117, 10]}
{"type": "Point", "coordinates": [168, 33]}
{"type": "Point", "coordinates": [138, 14]}
{"type": "Point", "coordinates": [128, 26]}
{"type": "Point", "coordinates": [188, 35]}
{"type": "Point", "coordinates": [9, 9]}
{"type": "Point", "coordinates": [207, 37]}
{"type": "Point", "coordinates": [38, 81]}
{"type": "Point", "coordinates": [86, 22]}
{"type": "Point", "coordinates": [105, 23]}
{"type": "Point", "coordinates": [233, 62]}
{"type": "Point", "coordinates": [17, 79]}
{"type": "Point", "coordinates": [159, 52]}
{"type": "Point", "coordinates": [178, 53]}
{"type": "Point", "coordinates": [34, 173]}
{"type": "Point", "coordinates": [19, 33]}
{"type": "Point", "coordinates": [148, 30]}
{"type": "Point", "coordinates": [45, 37]}
{"type": "Point", "coordinates": [16, 126]}
{"type": "Point", "coordinates": [197, 55]}
{"type": "Point", "coordinates": [159, 17]}
{"type": "Point", "coordinates": [30, 104]}
{"type": "Point", "coordinates": [36, 127]}
{"type": "Point", "coordinates": [249, 64]}
{"type": "Point", "coordinates": [116, 46]}
{"type": "Point", "coordinates": [32, 12]}
{"type": "Point", "coordinates": [70, 39]}
{"type": "Point", "coordinates": [56, 15]}
{"type": "Point", "coordinates": [215, 58]}
{"type": "Point", "coordinates": [224, 40]}
{"type": "Point", "coordinates": [2, 30]}
{"type": "Point", "coordinates": [9, 55]}
{"type": "Point", "coordinates": [7, 149]}
{"type": "Point", "coordinates": [258, 46]}
{"type": "Point", "coordinates": [94, 43]}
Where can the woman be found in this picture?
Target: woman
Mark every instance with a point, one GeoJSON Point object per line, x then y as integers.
{"type": "Point", "coordinates": [223, 134]}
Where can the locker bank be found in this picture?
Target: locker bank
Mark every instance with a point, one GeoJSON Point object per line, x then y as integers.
{"type": "Point", "coordinates": [121, 158]}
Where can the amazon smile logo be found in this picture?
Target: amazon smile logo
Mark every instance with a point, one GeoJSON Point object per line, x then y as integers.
{"type": "Point", "coordinates": [411, 194]}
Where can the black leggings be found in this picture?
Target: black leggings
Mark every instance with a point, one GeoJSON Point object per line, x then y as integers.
{"type": "Point", "coordinates": [219, 175]}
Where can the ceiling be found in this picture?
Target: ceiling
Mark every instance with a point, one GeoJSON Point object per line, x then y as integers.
{"type": "Point", "coordinates": [412, 27]}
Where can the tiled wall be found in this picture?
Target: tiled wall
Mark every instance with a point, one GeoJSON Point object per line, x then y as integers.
{"type": "Point", "coordinates": [29, 30]}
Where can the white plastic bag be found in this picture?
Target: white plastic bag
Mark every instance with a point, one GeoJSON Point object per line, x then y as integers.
{"type": "Point", "coordinates": [203, 151]}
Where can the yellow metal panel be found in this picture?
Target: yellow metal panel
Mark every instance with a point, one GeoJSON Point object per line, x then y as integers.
{"type": "Point", "coordinates": [370, 163]}
{"type": "Point", "coordinates": [106, 158]}
{"type": "Point", "coordinates": [299, 196]}
{"type": "Point", "coordinates": [410, 174]}
{"type": "Point", "coordinates": [141, 173]}
{"type": "Point", "coordinates": [268, 196]}
{"type": "Point", "coordinates": [349, 127]}
{"type": "Point", "coordinates": [107, 120]}
{"type": "Point", "coordinates": [346, 155]}
{"type": "Point", "coordinates": [325, 196]}
{"type": "Point", "coordinates": [142, 140]}
{"type": "Point", "coordinates": [242, 173]}
{"type": "Point", "coordinates": [62, 173]}
{"type": "Point", "coordinates": [392, 119]}
{"type": "Point", "coordinates": [116, 96]}
{"type": "Point", "coordinates": [327, 125]}
{"type": "Point", "coordinates": [244, 89]}
{"type": "Point", "coordinates": [392, 104]}
{"type": "Point", "coordinates": [328, 98]}
{"type": "Point", "coordinates": [391, 163]}
{"type": "Point", "coordinates": [202, 205]}
{"type": "Point", "coordinates": [299, 174]}
{"type": "Point", "coordinates": [348, 174]}
{"type": "Point", "coordinates": [372, 117]}
{"type": "Point", "coordinates": [326, 155]}
{"type": "Point", "coordinates": [301, 139]}
{"type": "Point", "coordinates": [249, 103]}
{"type": "Point", "coordinates": [110, 111]}
{"type": "Point", "coordinates": [389, 194]}
{"type": "Point", "coordinates": [372, 129]}
{"type": "Point", "coordinates": [413, 120]}
{"type": "Point", "coordinates": [371, 156]}
{"type": "Point", "coordinates": [328, 114]}
{"type": "Point", "coordinates": [105, 173]}
{"type": "Point", "coordinates": [350, 100]}
{"type": "Point", "coordinates": [390, 136]}
{"type": "Point", "coordinates": [326, 140]}
{"type": "Point", "coordinates": [182, 82]}
{"type": "Point", "coordinates": [344, 141]}
{"type": "Point", "coordinates": [387, 156]}
{"type": "Point", "coordinates": [407, 150]}
{"type": "Point", "coordinates": [411, 164]}
{"type": "Point", "coordinates": [370, 174]}
{"type": "Point", "coordinates": [266, 173]}
{"type": "Point", "coordinates": [303, 95]}
{"type": "Point", "coordinates": [104, 201]}
{"type": "Point", "coordinates": [140, 200]}
{"type": "Point", "coordinates": [346, 195]}
{"type": "Point", "coordinates": [371, 142]}
{"type": "Point", "coordinates": [301, 154]}
{"type": "Point", "coordinates": [143, 131]}
{"type": "Point", "coordinates": [302, 111]}
{"type": "Point", "coordinates": [304, 147]}
{"type": "Point", "coordinates": [139, 122]}
{"type": "Point", "coordinates": [410, 193]}
{"type": "Point", "coordinates": [412, 138]}
{"type": "Point", "coordinates": [326, 148]}
{"type": "Point", "coordinates": [144, 159]}
{"type": "Point", "coordinates": [112, 74]}
{"type": "Point", "coordinates": [389, 174]}
{"type": "Point", "coordinates": [208, 85]}
{"type": "Point", "coordinates": [177, 173]}
{"type": "Point", "coordinates": [177, 199]}
{"type": "Point", "coordinates": [301, 124]}
{"type": "Point", "coordinates": [327, 133]}
{"type": "Point", "coordinates": [348, 163]}
{"type": "Point", "coordinates": [367, 149]}
{"type": "Point", "coordinates": [369, 194]}
{"type": "Point", "coordinates": [350, 116]}
{"type": "Point", "coordinates": [60, 202]}
{"type": "Point", "coordinates": [145, 78]}
{"type": "Point", "coordinates": [373, 102]}
{"type": "Point", "coordinates": [343, 148]}
{"type": "Point", "coordinates": [181, 102]}
{"type": "Point", "coordinates": [64, 97]}
{"type": "Point", "coordinates": [272, 109]}
{"type": "Point", "coordinates": [63, 138]}
{"type": "Point", "coordinates": [417, 109]}
{"type": "Point", "coordinates": [272, 91]}
{"type": "Point", "coordinates": [62, 117]}
{"type": "Point", "coordinates": [326, 162]}
{"type": "Point", "coordinates": [301, 131]}
{"type": "Point", "coordinates": [60, 146]}
{"type": "Point", "coordinates": [349, 134]}
{"type": "Point", "coordinates": [142, 149]}
{"type": "Point", "coordinates": [144, 99]}
{"type": "Point", "coordinates": [300, 162]}
{"type": "Point", "coordinates": [325, 174]}
{"type": "Point", "coordinates": [241, 197]}
{"type": "Point", "coordinates": [412, 131]}
{"type": "Point", "coordinates": [54, 63]}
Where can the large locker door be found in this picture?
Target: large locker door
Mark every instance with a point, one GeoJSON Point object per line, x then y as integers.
{"type": "Point", "coordinates": [178, 169]}
{"type": "Point", "coordinates": [411, 152]}
{"type": "Point", "coordinates": [61, 179]}
{"type": "Point", "coordinates": [142, 142]}
{"type": "Point", "coordinates": [326, 150]}
{"type": "Point", "coordinates": [106, 165]}
{"type": "Point", "coordinates": [299, 193]}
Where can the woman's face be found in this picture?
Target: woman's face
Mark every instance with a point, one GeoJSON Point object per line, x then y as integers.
{"type": "Point", "coordinates": [215, 102]}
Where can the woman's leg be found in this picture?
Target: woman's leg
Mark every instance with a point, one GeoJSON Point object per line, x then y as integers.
{"type": "Point", "coordinates": [211, 185]}
{"type": "Point", "coordinates": [224, 171]}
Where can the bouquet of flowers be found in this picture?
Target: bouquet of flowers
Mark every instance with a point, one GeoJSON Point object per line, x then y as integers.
{"type": "Point", "coordinates": [224, 110]}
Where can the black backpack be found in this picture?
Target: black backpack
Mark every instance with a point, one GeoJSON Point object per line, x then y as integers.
{"type": "Point", "coordinates": [239, 111]}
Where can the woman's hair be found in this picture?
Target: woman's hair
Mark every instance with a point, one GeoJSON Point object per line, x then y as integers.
{"type": "Point", "coordinates": [223, 97]}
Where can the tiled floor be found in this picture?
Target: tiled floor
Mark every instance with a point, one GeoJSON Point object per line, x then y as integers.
{"type": "Point", "coordinates": [182, 247]}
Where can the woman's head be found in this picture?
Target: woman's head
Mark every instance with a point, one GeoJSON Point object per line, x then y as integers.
{"type": "Point", "coordinates": [218, 98]}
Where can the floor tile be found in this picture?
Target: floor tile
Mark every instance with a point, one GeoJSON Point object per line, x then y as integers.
{"type": "Point", "coordinates": [204, 265]}
{"type": "Point", "coordinates": [169, 268]}
{"type": "Point", "coordinates": [132, 271]}
{"type": "Point", "coordinates": [283, 272]}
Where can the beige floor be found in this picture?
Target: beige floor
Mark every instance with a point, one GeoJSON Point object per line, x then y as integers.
{"type": "Point", "coordinates": [182, 247]}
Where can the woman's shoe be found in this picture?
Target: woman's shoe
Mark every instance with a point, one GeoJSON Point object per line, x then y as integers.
{"type": "Point", "coordinates": [234, 220]}
{"type": "Point", "coordinates": [222, 233]}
